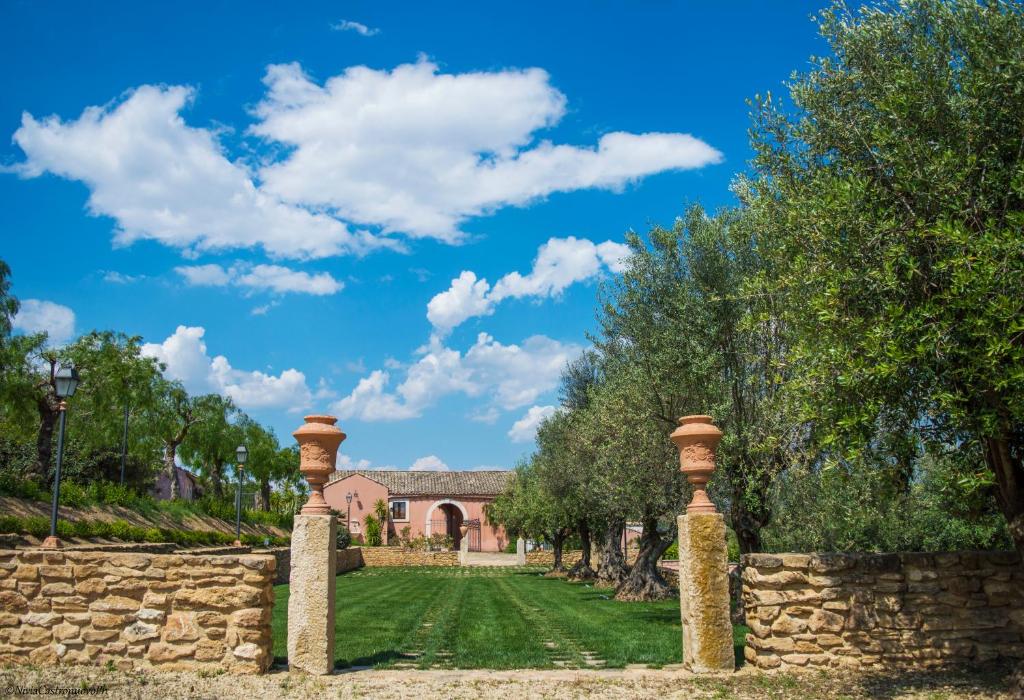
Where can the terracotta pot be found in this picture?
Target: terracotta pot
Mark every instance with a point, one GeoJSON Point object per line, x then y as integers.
{"type": "Point", "coordinates": [463, 529]}
{"type": "Point", "coordinates": [697, 439]}
{"type": "Point", "coordinates": [318, 442]}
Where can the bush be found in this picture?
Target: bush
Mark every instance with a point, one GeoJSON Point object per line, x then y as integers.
{"type": "Point", "coordinates": [344, 537]}
{"type": "Point", "coordinates": [373, 532]}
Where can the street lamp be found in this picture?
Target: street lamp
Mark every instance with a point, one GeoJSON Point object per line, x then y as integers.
{"type": "Point", "coordinates": [65, 381]}
{"type": "Point", "coordinates": [240, 455]}
{"type": "Point", "coordinates": [348, 517]}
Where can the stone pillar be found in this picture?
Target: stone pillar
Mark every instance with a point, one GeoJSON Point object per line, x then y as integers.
{"type": "Point", "coordinates": [463, 545]}
{"type": "Point", "coordinates": [521, 552]}
{"type": "Point", "coordinates": [311, 600]}
{"type": "Point", "coordinates": [703, 558]}
{"type": "Point", "coordinates": [314, 553]}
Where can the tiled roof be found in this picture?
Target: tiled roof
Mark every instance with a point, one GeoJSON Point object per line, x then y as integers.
{"type": "Point", "coordinates": [430, 483]}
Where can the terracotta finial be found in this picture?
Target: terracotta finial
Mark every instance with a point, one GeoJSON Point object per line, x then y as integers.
{"type": "Point", "coordinates": [318, 442]}
{"type": "Point", "coordinates": [697, 439]}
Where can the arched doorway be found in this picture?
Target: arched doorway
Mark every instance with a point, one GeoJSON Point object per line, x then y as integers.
{"type": "Point", "coordinates": [445, 518]}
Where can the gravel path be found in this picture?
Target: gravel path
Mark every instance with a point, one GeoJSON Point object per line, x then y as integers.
{"type": "Point", "coordinates": [639, 683]}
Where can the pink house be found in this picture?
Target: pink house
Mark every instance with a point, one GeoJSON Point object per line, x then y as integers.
{"type": "Point", "coordinates": [425, 502]}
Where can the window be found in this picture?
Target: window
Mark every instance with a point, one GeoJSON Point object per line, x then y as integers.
{"type": "Point", "coordinates": [400, 511]}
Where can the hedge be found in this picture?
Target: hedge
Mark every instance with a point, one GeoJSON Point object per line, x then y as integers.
{"type": "Point", "coordinates": [121, 530]}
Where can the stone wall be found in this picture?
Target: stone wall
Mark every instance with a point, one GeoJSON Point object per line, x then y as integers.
{"type": "Point", "coordinates": [883, 610]}
{"type": "Point", "coordinates": [396, 556]}
{"type": "Point", "coordinates": [282, 562]}
{"type": "Point", "coordinates": [348, 560]}
{"type": "Point", "coordinates": [136, 611]}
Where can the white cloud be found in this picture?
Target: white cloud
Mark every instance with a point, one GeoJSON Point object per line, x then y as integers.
{"type": "Point", "coordinates": [430, 463]}
{"type": "Point", "coordinates": [560, 262]}
{"type": "Point", "coordinates": [184, 353]}
{"type": "Point", "coordinates": [347, 25]}
{"type": "Point", "coordinates": [161, 179]}
{"type": "Point", "coordinates": [466, 297]}
{"type": "Point", "coordinates": [417, 151]}
{"type": "Point", "coordinates": [273, 278]}
{"type": "Point", "coordinates": [114, 277]}
{"type": "Point", "coordinates": [525, 429]}
{"type": "Point", "coordinates": [366, 154]}
{"type": "Point", "coordinates": [510, 376]}
{"type": "Point", "coordinates": [40, 316]}
{"type": "Point", "coordinates": [204, 275]}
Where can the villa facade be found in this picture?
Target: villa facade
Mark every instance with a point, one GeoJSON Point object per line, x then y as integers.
{"type": "Point", "coordinates": [427, 502]}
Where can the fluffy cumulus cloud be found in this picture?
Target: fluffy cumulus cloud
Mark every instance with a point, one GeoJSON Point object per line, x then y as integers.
{"type": "Point", "coordinates": [184, 353]}
{"type": "Point", "coordinates": [511, 376]}
{"type": "Point", "coordinates": [430, 463]}
{"type": "Point", "coordinates": [560, 263]}
{"type": "Point", "coordinates": [417, 151]}
{"type": "Point", "coordinates": [525, 429]}
{"type": "Point", "coordinates": [366, 154]}
{"type": "Point", "coordinates": [161, 179]}
{"type": "Point", "coordinates": [40, 316]}
{"type": "Point", "coordinates": [272, 278]}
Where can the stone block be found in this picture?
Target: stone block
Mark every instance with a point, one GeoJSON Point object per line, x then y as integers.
{"type": "Point", "coordinates": [160, 652]}
{"type": "Point", "coordinates": [115, 604]}
{"type": "Point", "coordinates": [181, 627]}
{"type": "Point", "coordinates": [311, 602]}
{"type": "Point", "coordinates": [703, 592]}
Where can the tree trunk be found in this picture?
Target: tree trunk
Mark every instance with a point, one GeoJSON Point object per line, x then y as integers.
{"type": "Point", "coordinates": [170, 469]}
{"type": "Point", "coordinates": [612, 569]}
{"type": "Point", "coordinates": [1004, 456]}
{"type": "Point", "coordinates": [582, 570]}
{"type": "Point", "coordinates": [558, 543]}
{"type": "Point", "coordinates": [746, 526]}
{"type": "Point", "coordinates": [644, 581]}
{"type": "Point", "coordinates": [217, 480]}
{"type": "Point", "coordinates": [265, 503]}
{"type": "Point", "coordinates": [44, 440]}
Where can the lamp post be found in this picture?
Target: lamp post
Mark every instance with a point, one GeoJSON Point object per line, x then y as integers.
{"type": "Point", "coordinates": [348, 516]}
{"type": "Point", "coordinates": [240, 454]}
{"type": "Point", "coordinates": [65, 383]}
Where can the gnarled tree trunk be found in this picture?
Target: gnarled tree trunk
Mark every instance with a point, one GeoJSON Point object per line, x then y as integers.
{"type": "Point", "coordinates": [217, 480]}
{"type": "Point", "coordinates": [1005, 457]}
{"type": "Point", "coordinates": [48, 413]}
{"type": "Point", "coordinates": [612, 569]}
{"type": "Point", "coordinates": [582, 570]}
{"type": "Point", "coordinates": [265, 506]}
{"type": "Point", "coordinates": [170, 469]}
{"type": "Point", "coordinates": [558, 545]}
{"type": "Point", "coordinates": [644, 582]}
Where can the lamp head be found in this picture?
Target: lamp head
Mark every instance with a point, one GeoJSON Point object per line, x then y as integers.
{"type": "Point", "coordinates": [241, 454]}
{"type": "Point", "coordinates": [66, 381]}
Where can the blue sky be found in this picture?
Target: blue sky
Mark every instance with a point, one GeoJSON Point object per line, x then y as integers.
{"type": "Point", "coordinates": [395, 212]}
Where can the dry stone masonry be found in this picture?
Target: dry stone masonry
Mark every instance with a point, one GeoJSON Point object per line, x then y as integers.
{"type": "Point", "coordinates": [882, 610]}
{"type": "Point", "coordinates": [136, 611]}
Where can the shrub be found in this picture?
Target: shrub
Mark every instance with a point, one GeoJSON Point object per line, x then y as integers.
{"type": "Point", "coordinates": [373, 531]}
{"type": "Point", "coordinates": [344, 537]}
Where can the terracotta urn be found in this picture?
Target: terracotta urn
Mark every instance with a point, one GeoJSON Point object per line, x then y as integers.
{"type": "Point", "coordinates": [463, 529]}
{"type": "Point", "coordinates": [318, 442]}
{"type": "Point", "coordinates": [697, 439]}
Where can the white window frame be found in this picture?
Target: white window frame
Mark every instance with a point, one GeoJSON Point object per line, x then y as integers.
{"type": "Point", "coordinates": [399, 500]}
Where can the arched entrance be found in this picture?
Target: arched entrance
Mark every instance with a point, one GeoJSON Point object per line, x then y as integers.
{"type": "Point", "coordinates": [445, 518]}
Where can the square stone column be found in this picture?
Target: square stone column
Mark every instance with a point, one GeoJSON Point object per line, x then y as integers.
{"type": "Point", "coordinates": [464, 549]}
{"type": "Point", "coordinates": [311, 600]}
{"type": "Point", "coordinates": [704, 593]}
{"type": "Point", "coordinates": [521, 552]}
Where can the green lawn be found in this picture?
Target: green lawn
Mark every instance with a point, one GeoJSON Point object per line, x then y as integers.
{"type": "Point", "coordinates": [490, 618]}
